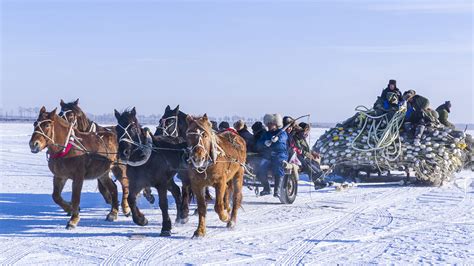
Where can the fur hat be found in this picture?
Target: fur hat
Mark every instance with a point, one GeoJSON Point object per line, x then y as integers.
{"type": "Point", "coordinates": [392, 81]}
{"type": "Point", "coordinates": [273, 119]}
{"type": "Point", "coordinates": [239, 125]}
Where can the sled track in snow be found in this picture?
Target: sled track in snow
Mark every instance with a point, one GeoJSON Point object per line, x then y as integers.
{"type": "Point", "coordinates": [296, 253]}
{"type": "Point", "coordinates": [19, 253]}
{"type": "Point", "coordinates": [116, 257]}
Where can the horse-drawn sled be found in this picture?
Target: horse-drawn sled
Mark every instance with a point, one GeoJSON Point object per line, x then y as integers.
{"type": "Point", "coordinates": [288, 186]}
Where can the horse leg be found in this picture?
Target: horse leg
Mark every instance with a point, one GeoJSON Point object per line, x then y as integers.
{"type": "Point", "coordinates": [202, 209]}
{"type": "Point", "coordinates": [104, 192]}
{"type": "Point", "coordinates": [112, 188]}
{"type": "Point", "coordinates": [219, 204]}
{"type": "Point", "coordinates": [163, 202]}
{"type": "Point", "coordinates": [77, 183]}
{"type": "Point", "coordinates": [58, 186]}
{"type": "Point", "coordinates": [236, 197]}
{"type": "Point", "coordinates": [148, 195]}
{"type": "Point", "coordinates": [227, 195]}
{"type": "Point", "coordinates": [137, 215]}
{"type": "Point", "coordinates": [186, 198]}
{"type": "Point", "coordinates": [176, 192]}
{"type": "Point", "coordinates": [119, 173]}
{"type": "Point", "coordinates": [208, 195]}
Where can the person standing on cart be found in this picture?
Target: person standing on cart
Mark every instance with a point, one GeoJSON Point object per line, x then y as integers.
{"type": "Point", "coordinates": [273, 147]}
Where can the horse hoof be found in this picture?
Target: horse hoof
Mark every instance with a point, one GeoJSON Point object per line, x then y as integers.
{"type": "Point", "coordinates": [142, 221]}
{"type": "Point", "coordinates": [182, 220]}
{"type": "Point", "coordinates": [70, 226]}
{"type": "Point", "coordinates": [231, 225]}
{"type": "Point", "coordinates": [165, 233]}
{"type": "Point", "coordinates": [197, 235]}
{"type": "Point", "coordinates": [111, 217]}
{"type": "Point", "coordinates": [127, 214]}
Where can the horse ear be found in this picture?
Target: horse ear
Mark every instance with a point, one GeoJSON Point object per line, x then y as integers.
{"type": "Point", "coordinates": [189, 119]}
{"type": "Point", "coordinates": [177, 109]}
{"type": "Point", "coordinates": [205, 117]}
{"type": "Point", "coordinates": [62, 103]}
{"type": "Point", "coordinates": [133, 112]}
{"type": "Point", "coordinates": [76, 101]}
{"type": "Point", "coordinates": [117, 114]}
{"type": "Point", "coordinates": [42, 110]}
{"type": "Point", "coordinates": [168, 108]}
{"type": "Point", "coordinates": [53, 113]}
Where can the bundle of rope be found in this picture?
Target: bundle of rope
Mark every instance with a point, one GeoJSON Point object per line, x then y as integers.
{"type": "Point", "coordinates": [370, 141]}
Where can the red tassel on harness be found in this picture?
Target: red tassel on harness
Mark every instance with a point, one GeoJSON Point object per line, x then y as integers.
{"type": "Point", "coordinates": [63, 153]}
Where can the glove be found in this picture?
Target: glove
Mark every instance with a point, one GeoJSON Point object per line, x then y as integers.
{"type": "Point", "coordinates": [275, 139]}
{"type": "Point", "coordinates": [268, 143]}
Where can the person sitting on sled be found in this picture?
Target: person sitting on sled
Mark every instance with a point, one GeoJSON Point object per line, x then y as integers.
{"type": "Point", "coordinates": [310, 160]}
{"type": "Point", "coordinates": [273, 146]}
{"type": "Point", "coordinates": [418, 114]}
{"type": "Point", "coordinates": [389, 101]}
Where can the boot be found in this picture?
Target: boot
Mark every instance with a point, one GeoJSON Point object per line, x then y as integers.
{"type": "Point", "coordinates": [276, 189]}
{"type": "Point", "coordinates": [266, 189]}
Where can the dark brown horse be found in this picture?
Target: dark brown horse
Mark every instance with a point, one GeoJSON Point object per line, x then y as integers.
{"type": "Point", "coordinates": [77, 156]}
{"type": "Point", "coordinates": [215, 160]}
{"type": "Point", "coordinates": [152, 162]}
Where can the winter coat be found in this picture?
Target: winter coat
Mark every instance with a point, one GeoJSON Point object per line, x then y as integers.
{"type": "Point", "coordinates": [387, 90]}
{"type": "Point", "coordinates": [249, 139]}
{"type": "Point", "coordinates": [443, 113]}
{"type": "Point", "coordinates": [278, 149]}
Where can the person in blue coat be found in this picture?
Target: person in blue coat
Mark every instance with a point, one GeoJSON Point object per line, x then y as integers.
{"type": "Point", "coordinates": [273, 147]}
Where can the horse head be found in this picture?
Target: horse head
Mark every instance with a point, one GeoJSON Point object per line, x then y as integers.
{"type": "Point", "coordinates": [135, 143]}
{"type": "Point", "coordinates": [202, 142]}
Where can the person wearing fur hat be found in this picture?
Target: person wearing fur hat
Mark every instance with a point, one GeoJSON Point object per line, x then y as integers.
{"type": "Point", "coordinates": [390, 99]}
{"type": "Point", "coordinates": [242, 130]}
{"type": "Point", "coordinates": [273, 146]}
{"type": "Point", "coordinates": [392, 88]}
{"type": "Point", "coordinates": [443, 113]}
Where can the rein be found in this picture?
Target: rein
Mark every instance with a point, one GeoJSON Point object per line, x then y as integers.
{"type": "Point", "coordinates": [70, 140]}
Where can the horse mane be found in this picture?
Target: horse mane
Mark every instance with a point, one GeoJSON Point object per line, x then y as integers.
{"type": "Point", "coordinates": [207, 127]}
{"type": "Point", "coordinates": [83, 123]}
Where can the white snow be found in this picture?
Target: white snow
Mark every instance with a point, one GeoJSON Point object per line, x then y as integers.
{"type": "Point", "coordinates": [364, 224]}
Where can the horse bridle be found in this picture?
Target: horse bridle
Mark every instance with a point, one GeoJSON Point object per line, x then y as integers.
{"type": "Point", "coordinates": [165, 127]}
{"type": "Point", "coordinates": [214, 149]}
{"type": "Point", "coordinates": [37, 124]}
{"type": "Point", "coordinates": [63, 115]}
{"type": "Point", "coordinates": [69, 138]}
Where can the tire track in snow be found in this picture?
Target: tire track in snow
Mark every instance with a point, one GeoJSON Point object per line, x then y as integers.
{"type": "Point", "coordinates": [296, 254]}
{"type": "Point", "coordinates": [19, 254]}
{"type": "Point", "coordinates": [116, 256]}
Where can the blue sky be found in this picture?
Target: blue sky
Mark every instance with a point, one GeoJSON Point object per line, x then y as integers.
{"type": "Point", "coordinates": [236, 57]}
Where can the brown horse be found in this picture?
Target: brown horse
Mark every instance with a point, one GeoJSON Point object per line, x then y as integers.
{"type": "Point", "coordinates": [77, 156]}
{"type": "Point", "coordinates": [74, 114]}
{"type": "Point", "coordinates": [215, 160]}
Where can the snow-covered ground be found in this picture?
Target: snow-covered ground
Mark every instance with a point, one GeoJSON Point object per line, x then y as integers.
{"type": "Point", "coordinates": [365, 224]}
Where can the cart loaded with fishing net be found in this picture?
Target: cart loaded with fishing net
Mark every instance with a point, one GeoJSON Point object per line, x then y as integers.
{"type": "Point", "coordinates": [371, 143]}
